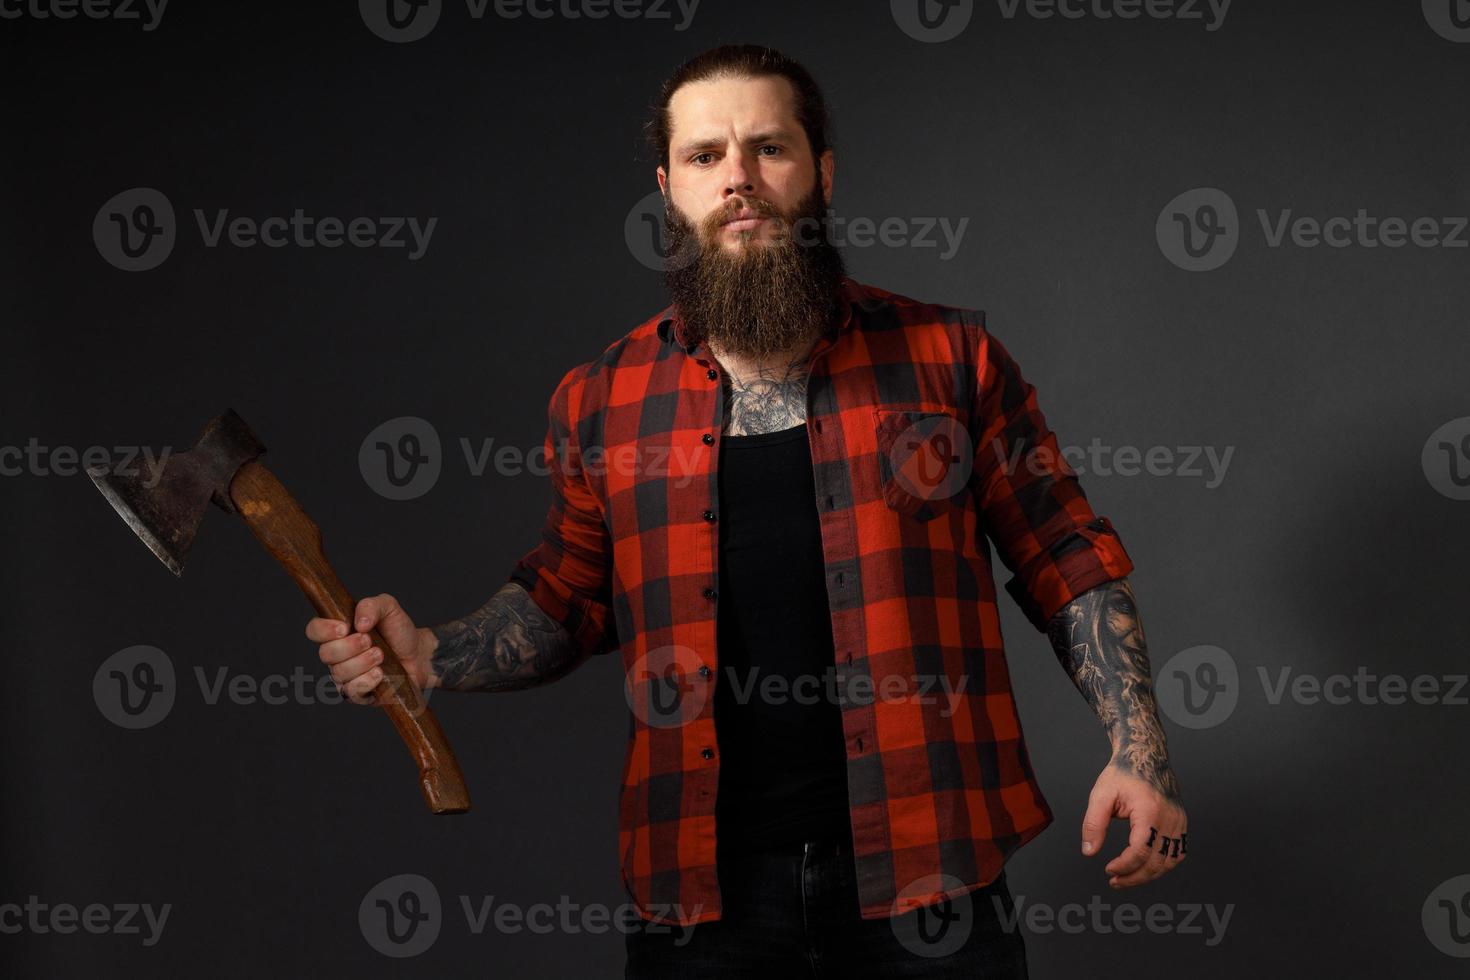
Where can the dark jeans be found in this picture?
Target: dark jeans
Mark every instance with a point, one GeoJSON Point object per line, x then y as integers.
{"type": "Point", "coordinates": [795, 914]}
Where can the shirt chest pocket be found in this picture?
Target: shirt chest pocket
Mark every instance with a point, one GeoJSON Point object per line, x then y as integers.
{"type": "Point", "coordinates": [925, 460]}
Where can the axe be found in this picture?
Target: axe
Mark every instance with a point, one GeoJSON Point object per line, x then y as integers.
{"type": "Point", "coordinates": [164, 506]}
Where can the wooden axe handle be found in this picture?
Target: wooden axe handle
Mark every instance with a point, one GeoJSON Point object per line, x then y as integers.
{"type": "Point", "coordinates": [280, 524]}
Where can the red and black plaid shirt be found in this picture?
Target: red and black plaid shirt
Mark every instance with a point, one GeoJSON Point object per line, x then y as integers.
{"type": "Point", "coordinates": [925, 440]}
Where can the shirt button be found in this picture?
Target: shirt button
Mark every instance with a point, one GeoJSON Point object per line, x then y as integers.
{"type": "Point", "coordinates": [709, 593]}
{"type": "Point", "coordinates": [708, 439]}
{"type": "Point", "coordinates": [709, 515]}
{"type": "Point", "coordinates": [707, 752]}
{"type": "Point", "coordinates": [712, 374]}
{"type": "Point", "coordinates": [704, 670]}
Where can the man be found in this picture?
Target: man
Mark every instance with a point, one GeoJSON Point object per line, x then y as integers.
{"type": "Point", "coordinates": [784, 484]}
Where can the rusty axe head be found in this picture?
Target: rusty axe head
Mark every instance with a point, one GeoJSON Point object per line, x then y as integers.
{"type": "Point", "coordinates": [165, 501]}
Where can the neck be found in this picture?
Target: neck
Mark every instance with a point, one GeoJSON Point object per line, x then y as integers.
{"type": "Point", "coordinates": [781, 363]}
{"type": "Point", "coordinates": [765, 394]}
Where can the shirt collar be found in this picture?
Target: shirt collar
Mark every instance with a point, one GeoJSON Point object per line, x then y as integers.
{"type": "Point", "coordinates": [671, 324]}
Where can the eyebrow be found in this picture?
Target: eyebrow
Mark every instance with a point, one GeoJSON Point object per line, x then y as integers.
{"type": "Point", "coordinates": [715, 142]}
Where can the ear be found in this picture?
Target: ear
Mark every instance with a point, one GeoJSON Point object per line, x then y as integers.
{"type": "Point", "coordinates": [663, 181]}
{"type": "Point", "coordinates": [828, 164]}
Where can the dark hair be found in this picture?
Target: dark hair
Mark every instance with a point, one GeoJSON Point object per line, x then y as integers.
{"type": "Point", "coordinates": [742, 61]}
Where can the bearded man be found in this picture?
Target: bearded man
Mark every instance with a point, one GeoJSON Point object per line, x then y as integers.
{"type": "Point", "coordinates": [776, 499]}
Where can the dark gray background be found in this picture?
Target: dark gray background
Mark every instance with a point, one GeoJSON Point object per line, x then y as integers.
{"type": "Point", "coordinates": [1324, 549]}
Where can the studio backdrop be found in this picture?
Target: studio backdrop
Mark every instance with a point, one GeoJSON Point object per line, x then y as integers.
{"type": "Point", "coordinates": [1227, 241]}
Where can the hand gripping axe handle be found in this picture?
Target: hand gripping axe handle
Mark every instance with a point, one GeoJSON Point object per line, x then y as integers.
{"type": "Point", "coordinates": [164, 503]}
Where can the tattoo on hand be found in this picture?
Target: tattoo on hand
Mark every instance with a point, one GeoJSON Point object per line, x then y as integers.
{"type": "Point", "coordinates": [1099, 639]}
{"type": "Point", "coordinates": [506, 645]}
{"type": "Point", "coordinates": [1153, 835]}
{"type": "Point", "coordinates": [770, 400]}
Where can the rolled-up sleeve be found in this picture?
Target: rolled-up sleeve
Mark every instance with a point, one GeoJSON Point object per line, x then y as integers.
{"type": "Point", "coordinates": [569, 574]}
{"type": "Point", "coordinates": [1030, 500]}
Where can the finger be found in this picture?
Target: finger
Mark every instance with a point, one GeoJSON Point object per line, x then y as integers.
{"type": "Point", "coordinates": [375, 610]}
{"type": "Point", "coordinates": [321, 630]}
{"type": "Point", "coordinates": [1100, 809]}
{"type": "Point", "coordinates": [1141, 837]}
{"type": "Point", "coordinates": [336, 651]}
{"type": "Point", "coordinates": [354, 667]}
{"type": "Point", "coordinates": [1152, 867]}
{"type": "Point", "coordinates": [358, 689]}
{"type": "Point", "coordinates": [1159, 862]}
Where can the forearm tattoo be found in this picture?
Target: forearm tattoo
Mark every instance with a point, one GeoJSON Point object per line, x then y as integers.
{"type": "Point", "coordinates": [1099, 639]}
{"type": "Point", "coordinates": [505, 645]}
{"type": "Point", "coordinates": [767, 400]}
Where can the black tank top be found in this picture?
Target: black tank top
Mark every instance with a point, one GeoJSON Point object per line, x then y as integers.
{"type": "Point", "coordinates": [783, 758]}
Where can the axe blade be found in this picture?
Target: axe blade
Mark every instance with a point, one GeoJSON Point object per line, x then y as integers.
{"type": "Point", "coordinates": [167, 521]}
{"type": "Point", "coordinates": [166, 499]}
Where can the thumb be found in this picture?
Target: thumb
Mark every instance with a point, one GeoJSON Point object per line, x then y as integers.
{"type": "Point", "coordinates": [1095, 821]}
{"type": "Point", "coordinates": [381, 611]}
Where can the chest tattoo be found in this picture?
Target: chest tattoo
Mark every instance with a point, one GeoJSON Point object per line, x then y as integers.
{"type": "Point", "coordinates": [765, 400]}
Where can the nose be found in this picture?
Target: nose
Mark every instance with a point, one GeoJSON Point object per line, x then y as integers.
{"type": "Point", "coordinates": [734, 187]}
{"type": "Point", "coordinates": [738, 179]}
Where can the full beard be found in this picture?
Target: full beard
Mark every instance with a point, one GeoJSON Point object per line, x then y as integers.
{"type": "Point", "coordinates": [762, 298]}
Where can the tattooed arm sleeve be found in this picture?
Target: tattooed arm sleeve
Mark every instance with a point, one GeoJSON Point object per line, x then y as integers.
{"type": "Point", "coordinates": [505, 645]}
{"type": "Point", "coordinates": [1099, 639]}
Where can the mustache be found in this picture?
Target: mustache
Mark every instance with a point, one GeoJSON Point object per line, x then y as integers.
{"type": "Point", "coordinates": [735, 205]}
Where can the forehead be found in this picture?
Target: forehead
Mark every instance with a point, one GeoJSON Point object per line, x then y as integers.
{"type": "Point", "coordinates": [714, 107]}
